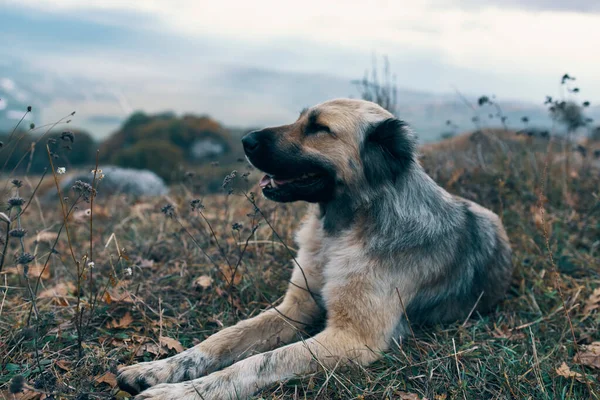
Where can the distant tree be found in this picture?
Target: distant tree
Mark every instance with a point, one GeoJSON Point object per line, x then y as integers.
{"type": "Point", "coordinates": [197, 139]}
{"type": "Point", "coordinates": [159, 156]}
{"type": "Point", "coordinates": [26, 151]}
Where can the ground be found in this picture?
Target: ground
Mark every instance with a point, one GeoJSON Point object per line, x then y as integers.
{"type": "Point", "coordinates": [168, 272]}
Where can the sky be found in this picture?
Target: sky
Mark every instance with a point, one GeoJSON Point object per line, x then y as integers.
{"type": "Point", "coordinates": [250, 63]}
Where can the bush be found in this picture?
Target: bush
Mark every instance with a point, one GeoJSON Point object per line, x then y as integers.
{"type": "Point", "coordinates": [190, 140]}
{"type": "Point", "coordinates": [159, 156]}
{"type": "Point", "coordinates": [25, 151]}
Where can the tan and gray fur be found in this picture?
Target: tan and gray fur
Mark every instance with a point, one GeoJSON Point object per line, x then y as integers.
{"type": "Point", "coordinates": [378, 230]}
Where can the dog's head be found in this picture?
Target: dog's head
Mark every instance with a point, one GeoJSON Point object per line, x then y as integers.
{"type": "Point", "coordinates": [336, 145]}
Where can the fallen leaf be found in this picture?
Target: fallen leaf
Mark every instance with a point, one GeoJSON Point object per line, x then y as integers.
{"type": "Point", "coordinates": [119, 294]}
{"type": "Point", "coordinates": [152, 349]}
{"type": "Point", "coordinates": [203, 282]}
{"type": "Point", "coordinates": [124, 322]}
{"type": "Point", "coordinates": [589, 355]}
{"type": "Point", "coordinates": [64, 365]}
{"type": "Point", "coordinates": [230, 273]}
{"type": "Point", "coordinates": [30, 395]}
{"type": "Point", "coordinates": [122, 395]}
{"type": "Point", "coordinates": [59, 293]}
{"type": "Point", "coordinates": [455, 176]}
{"type": "Point", "coordinates": [107, 377]}
{"type": "Point", "coordinates": [106, 297]}
{"type": "Point", "coordinates": [62, 289]}
{"type": "Point", "coordinates": [172, 344]}
{"type": "Point", "coordinates": [566, 372]}
{"type": "Point", "coordinates": [408, 396]}
{"type": "Point", "coordinates": [592, 303]}
{"type": "Point", "coordinates": [39, 270]}
{"type": "Point", "coordinates": [504, 332]}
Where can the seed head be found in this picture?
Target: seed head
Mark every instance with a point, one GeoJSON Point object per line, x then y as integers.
{"type": "Point", "coordinates": [17, 183]}
{"type": "Point", "coordinates": [67, 135]}
{"type": "Point", "coordinates": [84, 189]}
{"type": "Point", "coordinates": [168, 210]}
{"type": "Point", "coordinates": [15, 201]}
{"type": "Point", "coordinates": [25, 258]}
{"type": "Point", "coordinates": [17, 233]}
{"type": "Point", "coordinates": [228, 180]}
{"type": "Point", "coordinates": [196, 204]}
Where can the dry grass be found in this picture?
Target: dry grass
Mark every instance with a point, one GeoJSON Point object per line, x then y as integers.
{"type": "Point", "coordinates": [82, 327]}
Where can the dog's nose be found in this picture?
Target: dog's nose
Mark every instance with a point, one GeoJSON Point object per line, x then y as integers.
{"type": "Point", "coordinates": [250, 142]}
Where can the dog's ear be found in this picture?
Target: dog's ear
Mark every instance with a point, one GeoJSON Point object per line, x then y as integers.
{"type": "Point", "coordinates": [388, 150]}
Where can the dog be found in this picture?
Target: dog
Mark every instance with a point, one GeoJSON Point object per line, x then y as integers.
{"type": "Point", "coordinates": [382, 246]}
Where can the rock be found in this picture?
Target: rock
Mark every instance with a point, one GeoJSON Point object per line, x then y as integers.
{"type": "Point", "coordinates": [206, 148]}
{"type": "Point", "coordinates": [117, 180]}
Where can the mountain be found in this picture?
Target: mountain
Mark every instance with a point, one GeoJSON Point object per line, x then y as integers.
{"type": "Point", "coordinates": [236, 96]}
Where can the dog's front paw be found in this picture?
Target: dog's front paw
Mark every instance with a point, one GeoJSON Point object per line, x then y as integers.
{"type": "Point", "coordinates": [139, 377]}
{"type": "Point", "coordinates": [174, 391]}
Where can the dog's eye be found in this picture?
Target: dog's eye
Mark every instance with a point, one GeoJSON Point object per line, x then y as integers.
{"type": "Point", "coordinates": [316, 128]}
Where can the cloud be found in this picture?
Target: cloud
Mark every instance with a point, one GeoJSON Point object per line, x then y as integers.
{"type": "Point", "coordinates": [579, 6]}
{"type": "Point", "coordinates": [183, 54]}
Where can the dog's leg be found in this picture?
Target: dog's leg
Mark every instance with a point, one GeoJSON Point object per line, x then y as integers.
{"type": "Point", "coordinates": [359, 328]}
{"type": "Point", "coordinates": [264, 332]}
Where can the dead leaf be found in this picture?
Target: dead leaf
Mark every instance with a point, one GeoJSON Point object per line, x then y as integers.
{"type": "Point", "coordinates": [64, 365]}
{"type": "Point", "coordinates": [455, 176]}
{"type": "Point", "coordinates": [229, 273]}
{"type": "Point", "coordinates": [34, 271]}
{"type": "Point", "coordinates": [124, 322]}
{"type": "Point", "coordinates": [504, 332]}
{"type": "Point", "coordinates": [566, 372]}
{"type": "Point", "coordinates": [122, 395]}
{"type": "Point", "coordinates": [592, 303]}
{"type": "Point", "coordinates": [30, 395]}
{"type": "Point", "coordinates": [62, 289]}
{"type": "Point", "coordinates": [152, 349]}
{"type": "Point", "coordinates": [59, 293]}
{"type": "Point", "coordinates": [172, 344]}
{"type": "Point", "coordinates": [107, 377]}
{"type": "Point", "coordinates": [408, 396]}
{"type": "Point", "coordinates": [106, 297]}
{"type": "Point", "coordinates": [203, 282]}
{"type": "Point", "coordinates": [119, 294]}
{"type": "Point", "coordinates": [589, 355]}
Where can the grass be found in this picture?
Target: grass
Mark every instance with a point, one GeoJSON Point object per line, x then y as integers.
{"type": "Point", "coordinates": [142, 299]}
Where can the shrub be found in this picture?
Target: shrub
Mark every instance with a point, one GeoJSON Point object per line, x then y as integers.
{"type": "Point", "coordinates": [159, 156]}
{"type": "Point", "coordinates": [198, 140]}
{"type": "Point", "coordinates": [27, 151]}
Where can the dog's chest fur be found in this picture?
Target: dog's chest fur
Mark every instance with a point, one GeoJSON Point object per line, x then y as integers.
{"type": "Point", "coordinates": [332, 262]}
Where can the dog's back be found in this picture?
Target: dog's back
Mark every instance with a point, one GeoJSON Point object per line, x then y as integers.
{"type": "Point", "coordinates": [477, 273]}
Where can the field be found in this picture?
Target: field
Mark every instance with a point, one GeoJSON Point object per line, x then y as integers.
{"type": "Point", "coordinates": [101, 281]}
